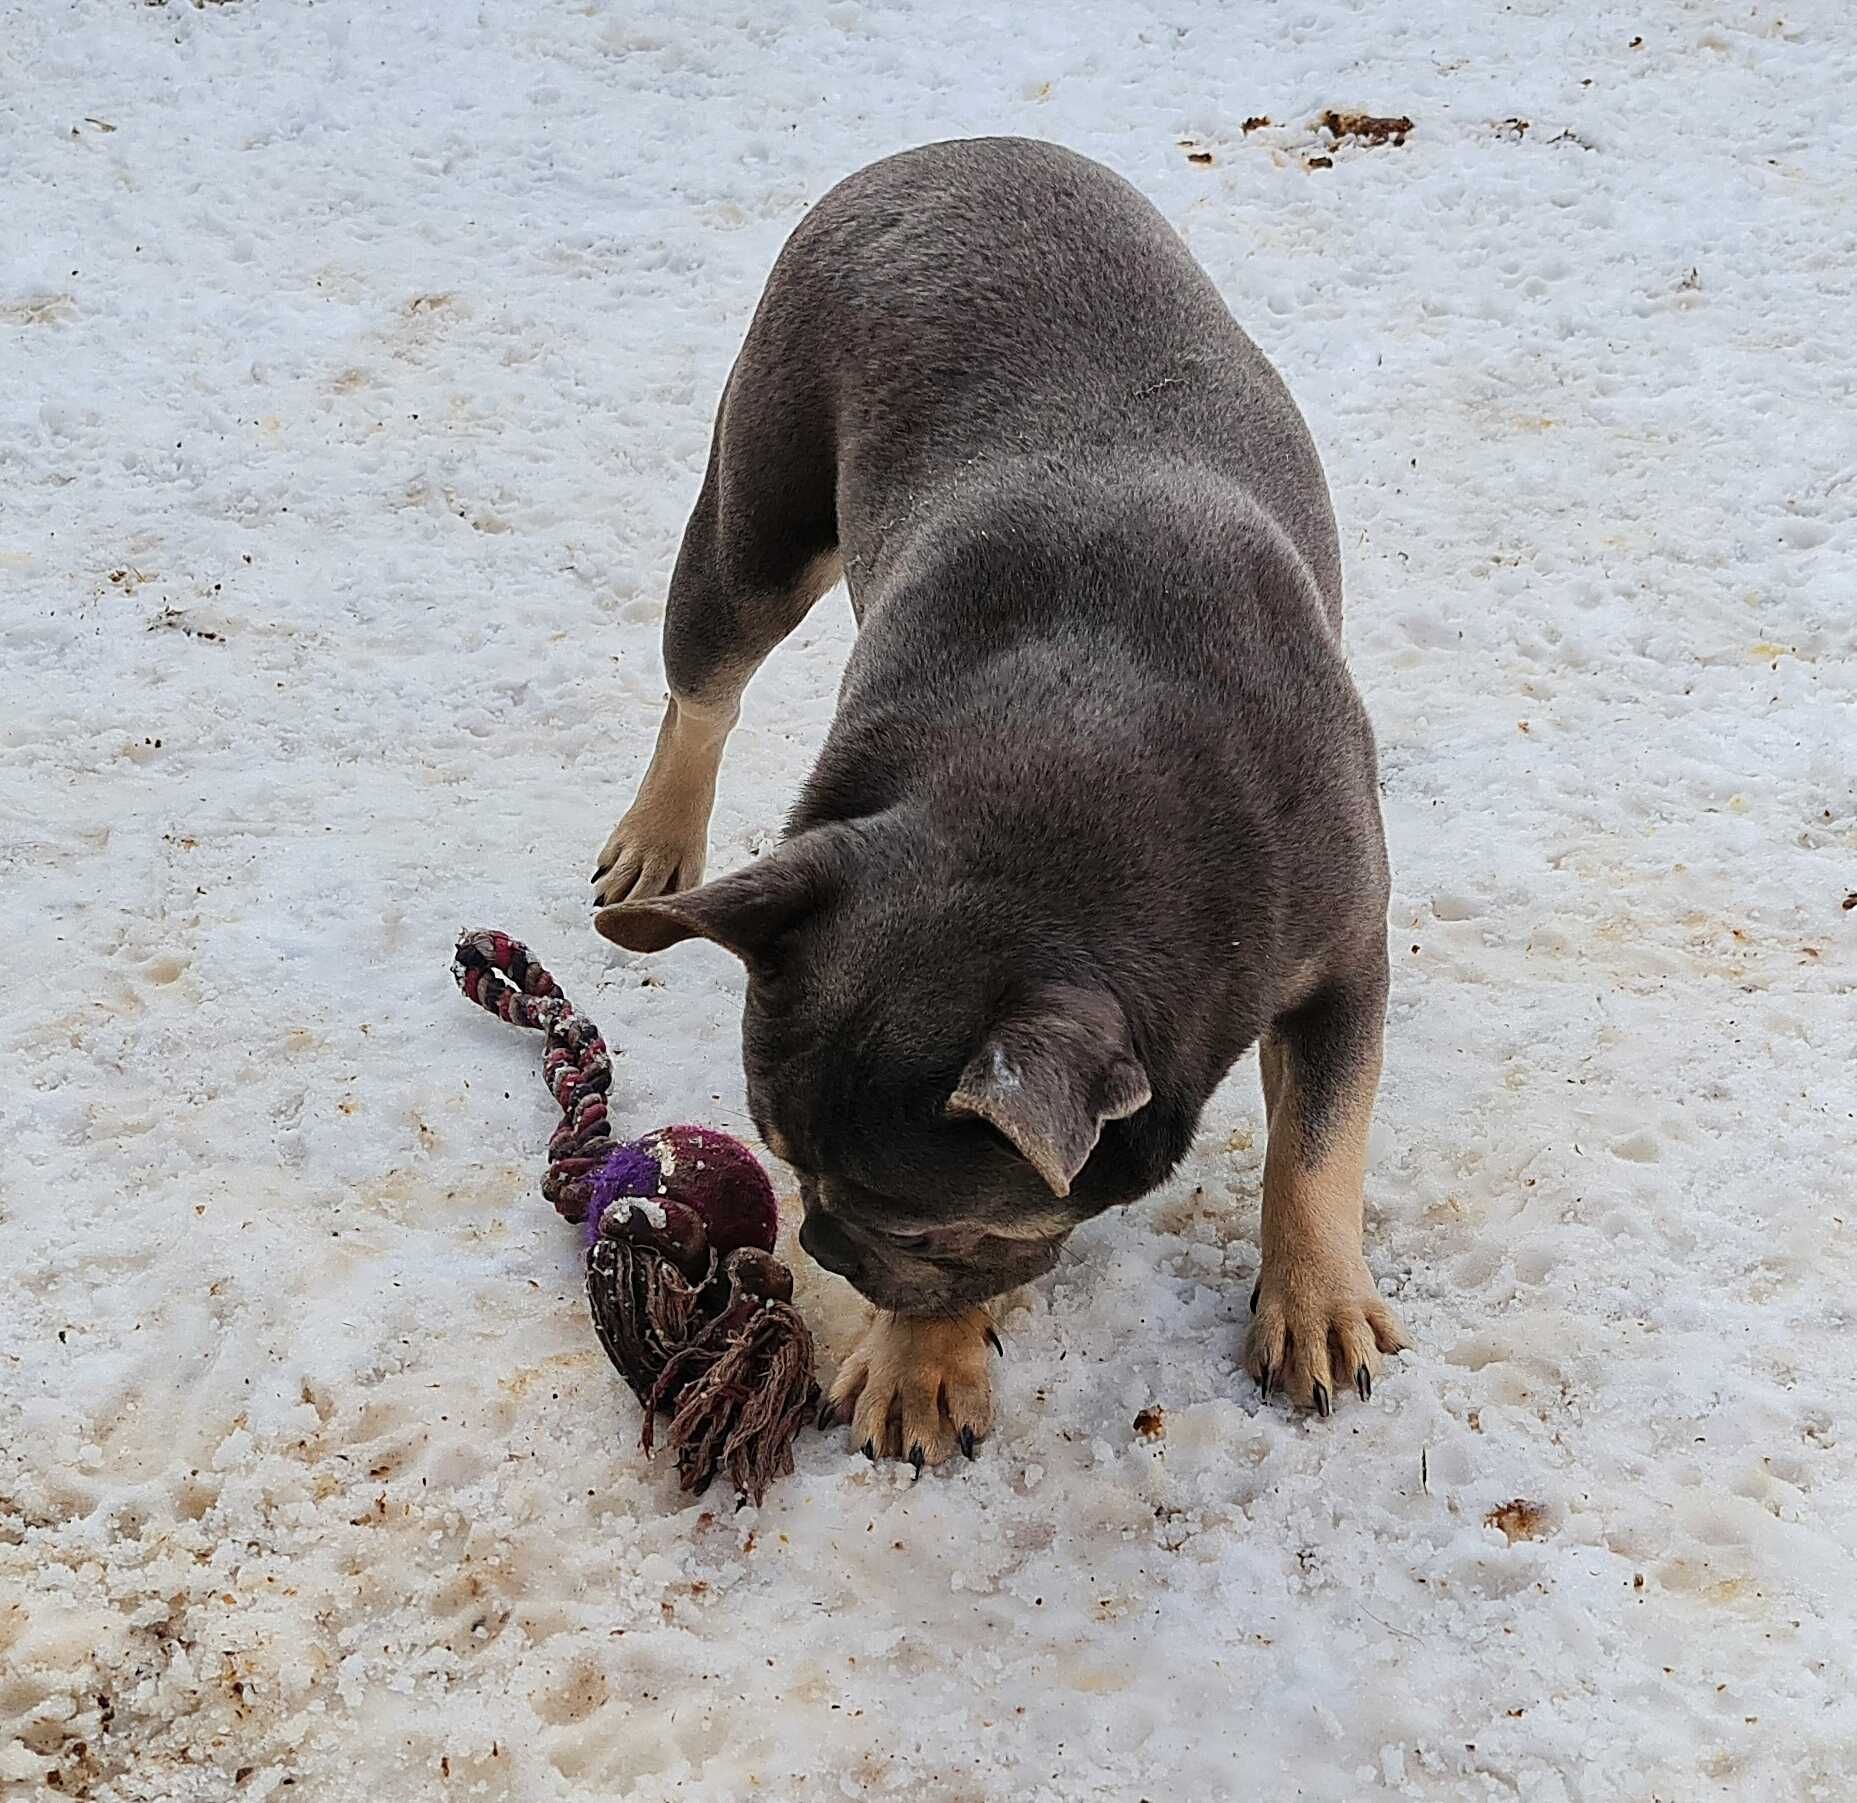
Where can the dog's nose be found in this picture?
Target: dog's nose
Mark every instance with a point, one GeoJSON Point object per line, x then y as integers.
{"type": "Point", "coordinates": [829, 1244]}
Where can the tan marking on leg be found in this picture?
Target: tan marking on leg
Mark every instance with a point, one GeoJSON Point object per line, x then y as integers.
{"type": "Point", "coordinates": [660, 845]}
{"type": "Point", "coordinates": [1319, 1321]}
{"type": "Point", "coordinates": [917, 1384]}
{"type": "Point", "coordinates": [1270, 1070]}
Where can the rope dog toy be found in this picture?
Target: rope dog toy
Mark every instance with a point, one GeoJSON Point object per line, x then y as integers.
{"type": "Point", "coordinates": [688, 1300]}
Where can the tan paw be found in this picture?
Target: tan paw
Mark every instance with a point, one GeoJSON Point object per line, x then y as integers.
{"type": "Point", "coordinates": [1318, 1325]}
{"type": "Point", "coordinates": [647, 856]}
{"type": "Point", "coordinates": [916, 1387]}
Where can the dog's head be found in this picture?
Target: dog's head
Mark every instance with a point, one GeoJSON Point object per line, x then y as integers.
{"type": "Point", "coordinates": [938, 1077]}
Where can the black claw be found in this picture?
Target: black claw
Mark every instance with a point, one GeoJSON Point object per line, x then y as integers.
{"type": "Point", "coordinates": [828, 1414]}
{"type": "Point", "coordinates": [600, 873]}
{"type": "Point", "coordinates": [1268, 1381]}
{"type": "Point", "coordinates": [1257, 1289]}
{"type": "Point", "coordinates": [1323, 1406]}
{"type": "Point", "coordinates": [993, 1341]}
{"type": "Point", "coordinates": [1363, 1383]}
{"type": "Point", "coordinates": [870, 1450]}
{"type": "Point", "coordinates": [916, 1457]}
{"type": "Point", "coordinates": [967, 1441]}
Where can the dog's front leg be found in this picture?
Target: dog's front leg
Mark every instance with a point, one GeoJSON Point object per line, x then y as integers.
{"type": "Point", "coordinates": [917, 1387]}
{"type": "Point", "coordinates": [1317, 1320]}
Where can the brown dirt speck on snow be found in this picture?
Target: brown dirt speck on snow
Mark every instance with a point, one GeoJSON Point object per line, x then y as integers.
{"type": "Point", "coordinates": [1519, 1519]}
{"type": "Point", "coordinates": [1365, 128]}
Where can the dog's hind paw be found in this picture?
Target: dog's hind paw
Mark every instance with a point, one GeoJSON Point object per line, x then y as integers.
{"type": "Point", "coordinates": [637, 866]}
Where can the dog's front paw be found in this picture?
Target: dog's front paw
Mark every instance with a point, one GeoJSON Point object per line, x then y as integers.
{"type": "Point", "coordinates": [1318, 1324]}
{"type": "Point", "coordinates": [917, 1387]}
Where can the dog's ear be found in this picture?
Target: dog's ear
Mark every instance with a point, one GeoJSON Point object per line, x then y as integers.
{"type": "Point", "coordinates": [743, 912]}
{"type": "Point", "coordinates": [1049, 1074]}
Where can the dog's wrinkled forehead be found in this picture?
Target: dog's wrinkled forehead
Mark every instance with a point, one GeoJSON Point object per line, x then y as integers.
{"type": "Point", "coordinates": [896, 1034]}
{"type": "Point", "coordinates": [853, 1031]}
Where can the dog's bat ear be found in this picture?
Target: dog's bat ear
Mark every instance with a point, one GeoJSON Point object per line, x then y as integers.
{"type": "Point", "coordinates": [1049, 1074]}
{"type": "Point", "coordinates": [743, 912]}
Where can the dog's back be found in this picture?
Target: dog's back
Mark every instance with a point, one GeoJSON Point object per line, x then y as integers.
{"type": "Point", "coordinates": [968, 302]}
{"type": "Point", "coordinates": [1088, 538]}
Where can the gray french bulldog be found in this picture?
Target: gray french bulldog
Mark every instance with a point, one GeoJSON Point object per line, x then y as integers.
{"type": "Point", "coordinates": [1098, 810]}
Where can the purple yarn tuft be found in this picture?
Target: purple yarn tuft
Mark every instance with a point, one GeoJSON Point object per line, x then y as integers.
{"type": "Point", "coordinates": [627, 1170]}
{"type": "Point", "coordinates": [711, 1173]}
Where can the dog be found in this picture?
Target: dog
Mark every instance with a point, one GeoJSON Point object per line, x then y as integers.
{"type": "Point", "coordinates": [1099, 808]}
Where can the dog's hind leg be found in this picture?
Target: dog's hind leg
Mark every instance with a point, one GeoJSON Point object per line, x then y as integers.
{"type": "Point", "coordinates": [760, 548]}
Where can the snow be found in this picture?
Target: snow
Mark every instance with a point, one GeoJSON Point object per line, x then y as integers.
{"type": "Point", "coordinates": [356, 370]}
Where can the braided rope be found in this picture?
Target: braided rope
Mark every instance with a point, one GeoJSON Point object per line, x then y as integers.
{"type": "Point", "coordinates": [502, 976]}
{"type": "Point", "coordinates": [715, 1344]}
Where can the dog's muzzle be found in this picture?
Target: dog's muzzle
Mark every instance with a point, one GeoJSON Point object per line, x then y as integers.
{"type": "Point", "coordinates": [828, 1244]}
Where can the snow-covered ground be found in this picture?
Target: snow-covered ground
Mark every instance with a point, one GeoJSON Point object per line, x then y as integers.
{"type": "Point", "coordinates": [356, 369]}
